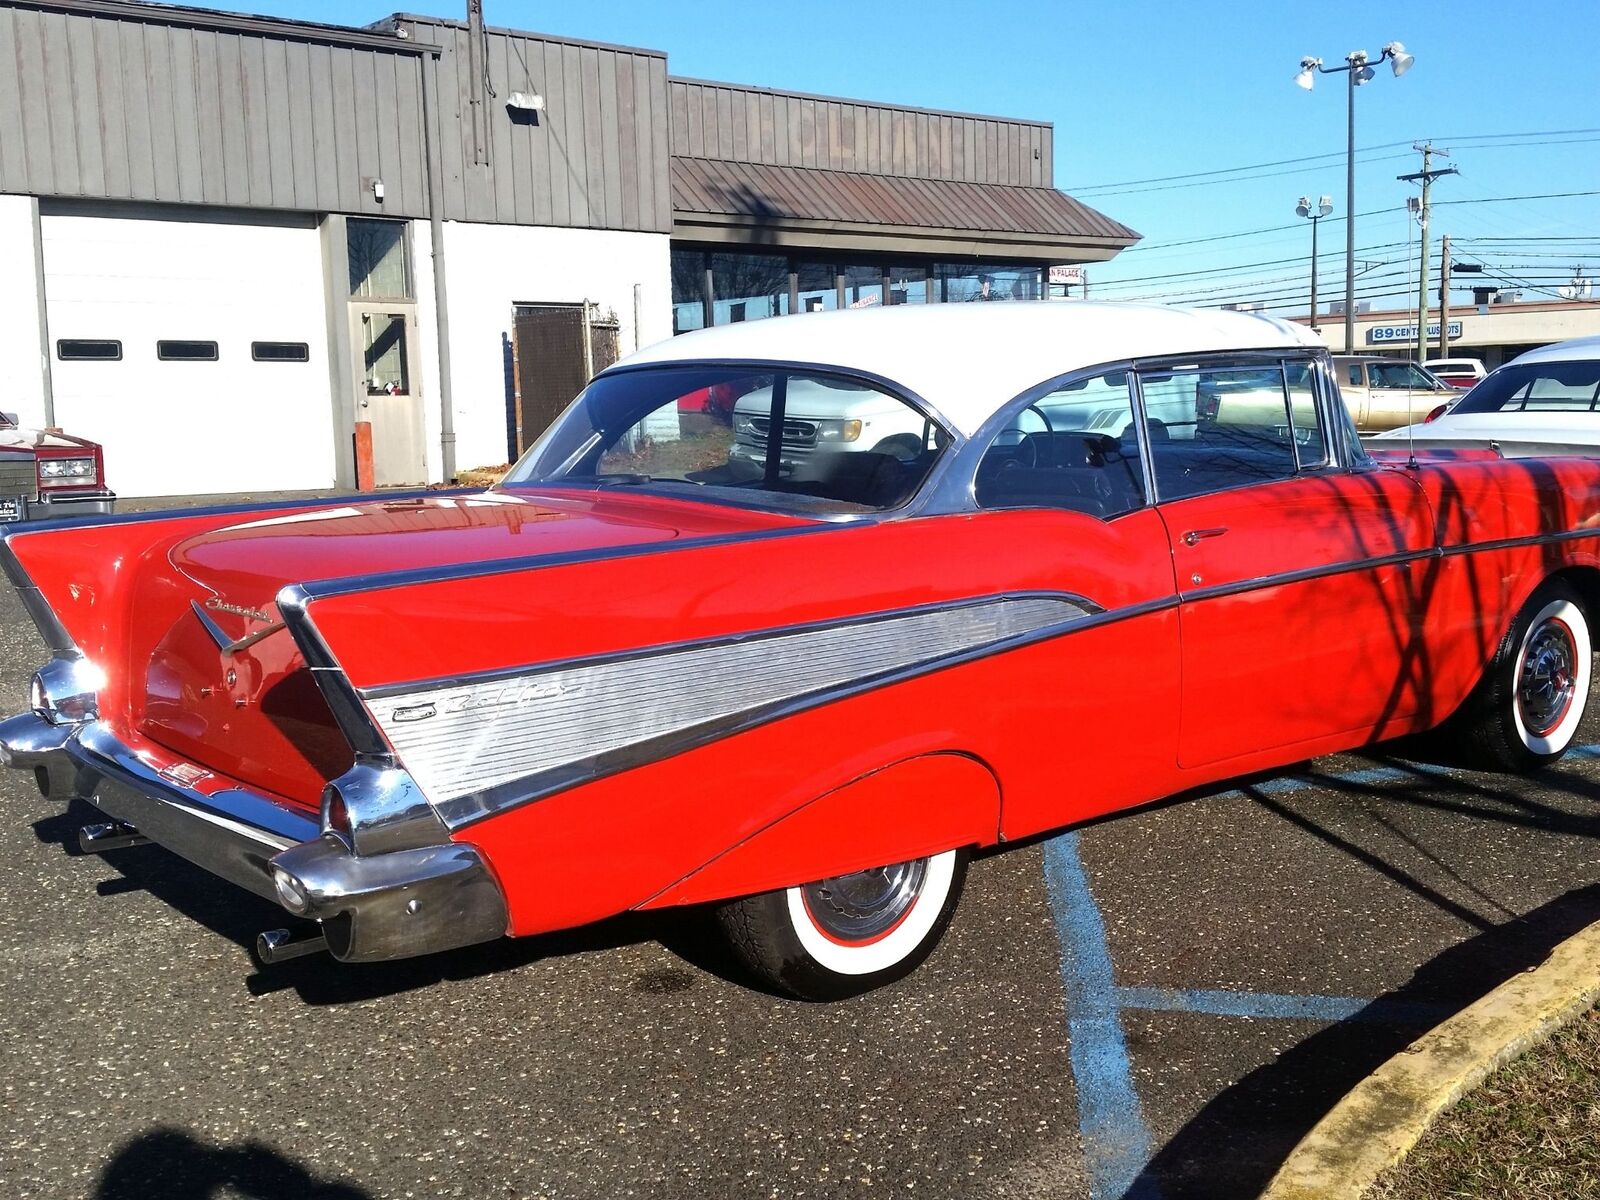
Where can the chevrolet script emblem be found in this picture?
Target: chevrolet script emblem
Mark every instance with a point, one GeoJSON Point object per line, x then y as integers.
{"type": "Point", "coordinates": [238, 610]}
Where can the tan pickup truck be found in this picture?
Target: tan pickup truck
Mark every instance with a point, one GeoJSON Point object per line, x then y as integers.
{"type": "Point", "coordinates": [1386, 393]}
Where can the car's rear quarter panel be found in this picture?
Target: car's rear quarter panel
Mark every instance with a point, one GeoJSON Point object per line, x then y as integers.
{"type": "Point", "coordinates": [1065, 728]}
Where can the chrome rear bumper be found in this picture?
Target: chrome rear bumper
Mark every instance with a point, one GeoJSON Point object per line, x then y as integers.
{"type": "Point", "coordinates": [372, 907]}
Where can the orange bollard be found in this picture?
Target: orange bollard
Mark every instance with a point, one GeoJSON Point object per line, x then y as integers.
{"type": "Point", "coordinates": [364, 475]}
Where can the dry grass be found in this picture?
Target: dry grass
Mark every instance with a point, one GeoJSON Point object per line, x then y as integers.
{"type": "Point", "coordinates": [482, 476]}
{"type": "Point", "coordinates": [1530, 1132]}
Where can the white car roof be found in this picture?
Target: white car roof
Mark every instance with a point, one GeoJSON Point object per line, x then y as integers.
{"type": "Point", "coordinates": [969, 359]}
{"type": "Point", "coordinates": [1574, 349]}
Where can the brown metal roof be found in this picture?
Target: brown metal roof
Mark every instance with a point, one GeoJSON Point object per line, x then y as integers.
{"type": "Point", "coordinates": [758, 194]}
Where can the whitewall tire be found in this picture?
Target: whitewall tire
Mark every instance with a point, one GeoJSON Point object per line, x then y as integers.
{"type": "Point", "coordinates": [846, 935]}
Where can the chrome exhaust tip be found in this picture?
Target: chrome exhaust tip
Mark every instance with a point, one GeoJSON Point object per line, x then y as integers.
{"type": "Point", "coordinates": [112, 835]}
{"type": "Point", "coordinates": [280, 945]}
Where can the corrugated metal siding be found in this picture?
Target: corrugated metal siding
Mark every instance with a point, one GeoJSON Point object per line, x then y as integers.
{"type": "Point", "coordinates": [147, 108]}
{"type": "Point", "coordinates": [597, 157]}
{"type": "Point", "coordinates": [784, 129]}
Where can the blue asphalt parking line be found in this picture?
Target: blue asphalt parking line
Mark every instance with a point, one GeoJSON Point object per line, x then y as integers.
{"type": "Point", "coordinates": [1116, 1144]}
{"type": "Point", "coordinates": [1116, 1140]}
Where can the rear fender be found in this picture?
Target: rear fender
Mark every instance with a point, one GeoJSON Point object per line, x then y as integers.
{"type": "Point", "coordinates": [919, 807]}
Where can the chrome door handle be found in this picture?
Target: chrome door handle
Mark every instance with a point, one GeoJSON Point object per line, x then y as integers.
{"type": "Point", "coordinates": [1192, 538]}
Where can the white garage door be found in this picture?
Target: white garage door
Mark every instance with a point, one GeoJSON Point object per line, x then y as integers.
{"type": "Point", "coordinates": [194, 350]}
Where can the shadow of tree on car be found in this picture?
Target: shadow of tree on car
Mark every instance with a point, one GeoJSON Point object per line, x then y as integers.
{"type": "Point", "coordinates": [174, 1165]}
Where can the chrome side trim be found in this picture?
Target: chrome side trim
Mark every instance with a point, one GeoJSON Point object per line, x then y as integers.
{"type": "Point", "coordinates": [1306, 574]}
{"type": "Point", "coordinates": [485, 746]}
{"type": "Point", "coordinates": [637, 654]}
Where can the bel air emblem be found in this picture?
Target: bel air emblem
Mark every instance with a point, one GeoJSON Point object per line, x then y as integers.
{"type": "Point", "coordinates": [416, 712]}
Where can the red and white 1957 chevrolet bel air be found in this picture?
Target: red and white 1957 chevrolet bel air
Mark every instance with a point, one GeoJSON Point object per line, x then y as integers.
{"type": "Point", "coordinates": [925, 580]}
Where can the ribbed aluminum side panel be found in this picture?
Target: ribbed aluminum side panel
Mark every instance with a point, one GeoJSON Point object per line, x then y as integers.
{"type": "Point", "coordinates": [468, 738]}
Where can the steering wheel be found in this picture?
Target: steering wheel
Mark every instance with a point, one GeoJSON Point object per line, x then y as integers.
{"type": "Point", "coordinates": [1028, 450]}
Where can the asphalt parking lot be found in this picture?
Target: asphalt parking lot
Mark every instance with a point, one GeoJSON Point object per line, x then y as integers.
{"type": "Point", "coordinates": [1158, 1005]}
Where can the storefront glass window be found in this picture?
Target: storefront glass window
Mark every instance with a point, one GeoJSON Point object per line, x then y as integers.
{"type": "Point", "coordinates": [748, 287]}
{"type": "Point", "coordinates": [863, 286]}
{"type": "Point", "coordinates": [908, 285]}
{"type": "Point", "coordinates": [688, 290]}
{"type": "Point", "coordinates": [956, 283]}
{"type": "Point", "coordinates": [819, 291]}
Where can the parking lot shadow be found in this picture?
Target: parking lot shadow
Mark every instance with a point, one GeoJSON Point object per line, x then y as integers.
{"type": "Point", "coordinates": [238, 915]}
{"type": "Point", "coordinates": [1234, 1145]}
{"type": "Point", "coordinates": [174, 1165]}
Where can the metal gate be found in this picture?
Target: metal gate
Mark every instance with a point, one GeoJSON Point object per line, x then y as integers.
{"type": "Point", "coordinates": [556, 350]}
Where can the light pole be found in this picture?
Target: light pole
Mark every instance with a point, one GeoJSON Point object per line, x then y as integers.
{"type": "Point", "coordinates": [1358, 71]}
{"type": "Point", "coordinates": [1304, 209]}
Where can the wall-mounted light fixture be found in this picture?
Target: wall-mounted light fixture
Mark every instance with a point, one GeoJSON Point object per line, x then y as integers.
{"type": "Point", "coordinates": [531, 102]}
{"type": "Point", "coordinates": [377, 190]}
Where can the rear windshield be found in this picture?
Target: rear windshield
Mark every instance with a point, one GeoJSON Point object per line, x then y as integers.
{"type": "Point", "coordinates": [1537, 387]}
{"type": "Point", "coordinates": [787, 438]}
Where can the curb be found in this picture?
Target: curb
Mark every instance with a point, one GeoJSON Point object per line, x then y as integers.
{"type": "Point", "coordinates": [1375, 1125]}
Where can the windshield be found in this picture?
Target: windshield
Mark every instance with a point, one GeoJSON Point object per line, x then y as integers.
{"type": "Point", "coordinates": [1537, 387]}
{"type": "Point", "coordinates": [796, 439]}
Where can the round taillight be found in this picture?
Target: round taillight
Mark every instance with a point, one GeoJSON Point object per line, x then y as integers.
{"type": "Point", "coordinates": [1436, 413]}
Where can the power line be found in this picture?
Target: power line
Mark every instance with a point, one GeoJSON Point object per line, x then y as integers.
{"type": "Point", "coordinates": [1334, 154]}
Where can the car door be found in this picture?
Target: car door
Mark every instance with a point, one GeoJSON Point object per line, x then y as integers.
{"type": "Point", "coordinates": [1298, 575]}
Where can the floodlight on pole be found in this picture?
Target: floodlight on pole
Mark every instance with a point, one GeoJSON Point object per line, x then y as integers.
{"type": "Point", "coordinates": [1358, 70]}
{"type": "Point", "coordinates": [1313, 213]}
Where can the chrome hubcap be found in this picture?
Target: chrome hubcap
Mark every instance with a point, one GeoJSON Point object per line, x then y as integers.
{"type": "Point", "coordinates": [865, 904]}
{"type": "Point", "coordinates": [1549, 678]}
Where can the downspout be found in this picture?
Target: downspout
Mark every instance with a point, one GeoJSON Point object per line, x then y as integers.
{"type": "Point", "coordinates": [441, 306]}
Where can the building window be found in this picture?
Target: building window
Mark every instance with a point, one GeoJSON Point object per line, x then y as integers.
{"type": "Point", "coordinates": [185, 351]}
{"type": "Point", "coordinates": [689, 299]}
{"type": "Point", "coordinates": [819, 286]}
{"type": "Point", "coordinates": [863, 286]}
{"type": "Point", "coordinates": [385, 365]}
{"type": "Point", "coordinates": [908, 285]}
{"type": "Point", "coordinates": [380, 263]}
{"type": "Point", "coordinates": [957, 283]}
{"type": "Point", "coordinates": [280, 352]}
{"type": "Point", "coordinates": [88, 350]}
{"type": "Point", "coordinates": [748, 287]}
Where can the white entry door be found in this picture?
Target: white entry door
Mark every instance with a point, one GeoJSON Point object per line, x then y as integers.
{"type": "Point", "coordinates": [383, 343]}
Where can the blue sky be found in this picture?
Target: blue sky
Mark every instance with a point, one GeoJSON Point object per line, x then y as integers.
{"type": "Point", "coordinates": [1143, 90]}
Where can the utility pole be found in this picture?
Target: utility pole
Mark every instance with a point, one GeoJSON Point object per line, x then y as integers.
{"type": "Point", "coordinates": [1444, 297]}
{"type": "Point", "coordinates": [1427, 177]}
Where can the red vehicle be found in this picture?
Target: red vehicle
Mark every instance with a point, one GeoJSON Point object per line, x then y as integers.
{"type": "Point", "coordinates": [46, 473]}
{"type": "Point", "coordinates": [646, 672]}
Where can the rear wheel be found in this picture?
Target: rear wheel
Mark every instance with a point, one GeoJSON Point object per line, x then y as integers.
{"type": "Point", "coordinates": [1526, 711]}
{"type": "Point", "coordinates": [849, 934]}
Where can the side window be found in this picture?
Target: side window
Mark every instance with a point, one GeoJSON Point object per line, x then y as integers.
{"type": "Point", "coordinates": [1352, 374]}
{"type": "Point", "coordinates": [1075, 448]}
{"type": "Point", "coordinates": [827, 437]}
{"type": "Point", "coordinates": [1230, 426]}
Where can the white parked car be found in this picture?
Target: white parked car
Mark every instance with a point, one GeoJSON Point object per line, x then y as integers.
{"type": "Point", "coordinates": [1460, 373]}
{"type": "Point", "coordinates": [1546, 401]}
{"type": "Point", "coordinates": [822, 416]}
{"type": "Point", "coordinates": [1384, 393]}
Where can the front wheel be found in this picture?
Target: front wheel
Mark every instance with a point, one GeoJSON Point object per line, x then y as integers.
{"type": "Point", "coordinates": [849, 934]}
{"type": "Point", "coordinates": [1526, 711]}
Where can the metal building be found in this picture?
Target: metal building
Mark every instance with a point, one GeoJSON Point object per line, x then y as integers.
{"type": "Point", "coordinates": [230, 239]}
